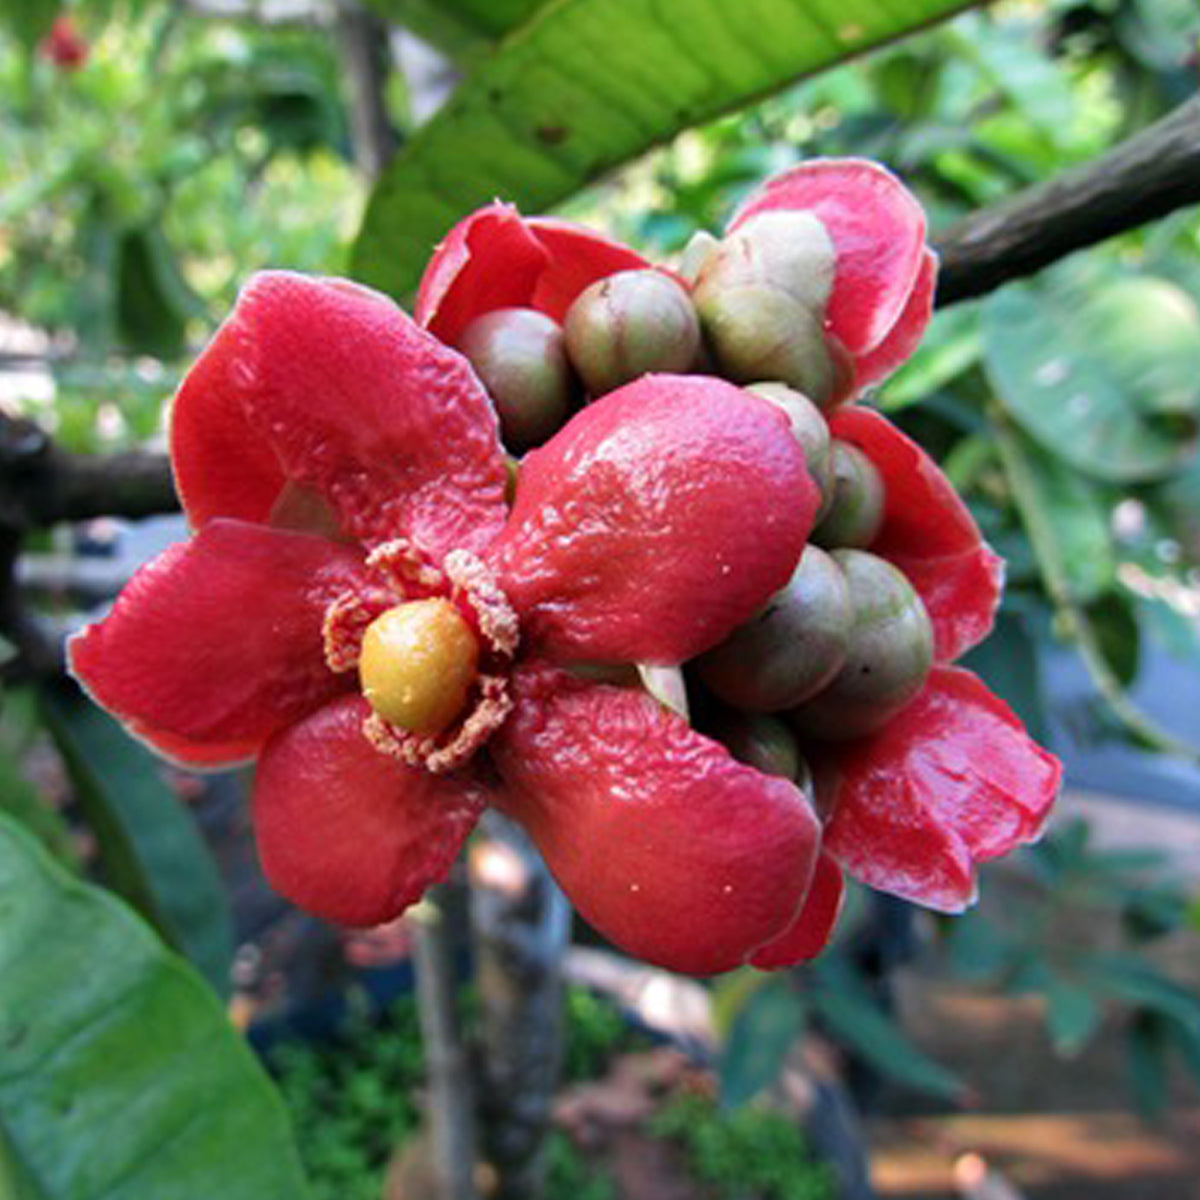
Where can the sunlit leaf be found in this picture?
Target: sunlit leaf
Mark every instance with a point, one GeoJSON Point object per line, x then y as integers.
{"type": "Point", "coordinates": [1107, 378]}
{"type": "Point", "coordinates": [586, 85]}
{"type": "Point", "coordinates": [121, 1075]}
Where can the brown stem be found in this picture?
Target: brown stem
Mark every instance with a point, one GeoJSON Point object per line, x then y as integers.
{"type": "Point", "coordinates": [520, 926]}
{"type": "Point", "coordinates": [1146, 177]}
{"type": "Point", "coordinates": [447, 1058]}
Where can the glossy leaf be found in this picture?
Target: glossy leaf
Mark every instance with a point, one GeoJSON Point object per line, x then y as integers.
{"type": "Point", "coordinates": [586, 85]}
{"type": "Point", "coordinates": [759, 1038]}
{"type": "Point", "coordinates": [862, 1026]}
{"type": "Point", "coordinates": [1104, 376]}
{"type": "Point", "coordinates": [152, 853]}
{"type": "Point", "coordinates": [121, 1076]}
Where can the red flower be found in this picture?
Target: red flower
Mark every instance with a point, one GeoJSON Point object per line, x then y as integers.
{"type": "Point", "coordinates": [63, 45]}
{"type": "Point", "coordinates": [342, 469]}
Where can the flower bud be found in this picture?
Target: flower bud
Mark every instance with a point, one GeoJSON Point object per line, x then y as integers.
{"type": "Point", "coordinates": [696, 253]}
{"type": "Point", "coordinates": [784, 250]}
{"type": "Point", "coordinates": [629, 324]}
{"type": "Point", "coordinates": [854, 513]}
{"type": "Point", "coordinates": [762, 742]}
{"type": "Point", "coordinates": [519, 356]}
{"type": "Point", "coordinates": [809, 428]}
{"type": "Point", "coordinates": [792, 648]}
{"type": "Point", "coordinates": [759, 331]}
{"type": "Point", "coordinates": [888, 658]}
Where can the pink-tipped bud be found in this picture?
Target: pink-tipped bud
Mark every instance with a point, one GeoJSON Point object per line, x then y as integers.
{"type": "Point", "coordinates": [628, 325]}
{"type": "Point", "coordinates": [854, 515]}
{"type": "Point", "coordinates": [519, 356]}
{"type": "Point", "coordinates": [888, 657]}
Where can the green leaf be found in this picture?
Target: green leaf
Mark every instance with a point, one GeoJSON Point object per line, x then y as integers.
{"type": "Point", "coordinates": [586, 85]}
{"type": "Point", "coordinates": [1072, 1015]}
{"type": "Point", "coordinates": [28, 20]}
{"type": "Point", "coordinates": [121, 1075]}
{"type": "Point", "coordinates": [1009, 663]}
{"type": "Point", "coordinates": [860, 1024]}
{"type": "Point", "coordinates": [761, 1033]}
{"type": "Point", "coordinates": [1146, 1047]}
{"type": "Point", "coordinates": [153, 299]}
{"type": "Point", "coordinates": [1105, 376]}
{"type": "Point", "coordinates": [1133, 980]}
{"type": "Point", "coordinates": [152, 853]}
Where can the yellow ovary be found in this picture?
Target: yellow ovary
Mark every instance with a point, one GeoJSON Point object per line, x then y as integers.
{"type": "Point", "coordinates": [417, 665]}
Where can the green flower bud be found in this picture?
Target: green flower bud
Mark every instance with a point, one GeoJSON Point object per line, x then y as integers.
{"type": "Point", "coordinates": [764, 743]}
{"type": "Point", "coordinates": [629, 324]}
{"type": "Point", "coordinates": [759, 331]}
{"type": "Point", "coordinates": [788, 251]}
{"type": "Point", "coordinates": [854, 515]}
{"type": "Point", "coordinates": [792, 648]}
{"type": "Point", "coordinates": [695, 254]}
{"type": "Point", "coordinates": [518, 355]}
{"type": "Point", "coordinates": [810, 429]}
{"type": "Point", "coordinates": [888, 659]}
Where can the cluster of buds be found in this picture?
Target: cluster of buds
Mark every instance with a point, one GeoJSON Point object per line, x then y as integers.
{"type": "Point", "coordinates": [698, 640]}
{"type": "Point", "coordinates": [847, 643]}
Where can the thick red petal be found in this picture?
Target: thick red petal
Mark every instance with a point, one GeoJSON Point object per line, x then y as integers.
{"type": "Point", "coordinates": [878, 229]}
{"type": "Point", "coordinates": [345, 394]}
{"type": "Point", "coordinates": [929, 533]}
{"type": "Point", "coordinates": [906, 334]}
{"type": "Point", "coordinates": [680, 854]}
{"type": "Point", "coordinates": [217, 643]}
{"type": "Point", "coordinates": [350, 834]}
{"type": "Point", "coordinates": [578, 257]}
{"type": "Point", "coordinates": [659, 518]}
{"type": "Point", "coordinates": [950, 782]}
{"type": "Point", "coordinates": [810, 932]}
{"type": "Point", "coordinates": [496, 259]}
{"type": "Point", "coordinates": [490, 259]}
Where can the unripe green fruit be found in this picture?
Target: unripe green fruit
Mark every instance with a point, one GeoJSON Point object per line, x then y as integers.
{"type": "Point", "coordinates": [759, 331]}
{"type": "Point", "coordinates": [519, 356]}
{"type": "Point", "coordinates": [854, 515]}
{"type": "Point", "coordinates": [809, 428]}
{"type": "Point", "coordinates": [764, 743]}
{"type": "Point", "coordinates": [792, 648]}
{"type": "Point", "coordinates": [789, 251]}
{"type": "Point", "coordinates": [888, 659]}
{"type": "Point", "coordinates": [629, 324]}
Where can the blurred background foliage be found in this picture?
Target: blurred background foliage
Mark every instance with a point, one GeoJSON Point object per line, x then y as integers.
{"type": "Point", "coordinates": [194, 143]}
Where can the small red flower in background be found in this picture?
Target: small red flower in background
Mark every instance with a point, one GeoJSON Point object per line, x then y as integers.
{"type": "Point", "coordinates": [341, 466]}
{"type": "Point", "coordinates": [63, 45]}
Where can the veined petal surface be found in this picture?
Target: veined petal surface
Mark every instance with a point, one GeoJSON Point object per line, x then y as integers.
{"type": "Point", "coordinates": [350, 834]}
{"type": "Point", "coordinates": [217, 643]}
{"type": "Point", "coordinates": [665, 843]}
{"type": "Point", "coordinates": [655, 521]}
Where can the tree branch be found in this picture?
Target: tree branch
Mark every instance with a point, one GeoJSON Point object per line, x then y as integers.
{"type": "Point", "coordinates": [1146, 177]}
{"type": "Point", "coordinates": [42, 484]}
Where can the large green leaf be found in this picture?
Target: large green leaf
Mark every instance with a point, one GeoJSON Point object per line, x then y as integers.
{"type": "Point", "coordinates": [585, 85]}
{"type": "Point", "coordinates": [1103, 374]}
{"type": "Point", "coordinates": [152, 853]}
{"type": "Point", "coordinates": [121, 1078]}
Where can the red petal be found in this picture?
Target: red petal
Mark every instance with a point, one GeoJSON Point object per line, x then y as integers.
{"type": "Point", "coordinates": [496, 259]}
{"type": "Point", "coordinates": [350, 834]}
{"type": "Point", "coordinates": [217, 643]}
{"type": "Point", "coordinates": [342, 392]}
{"type": "Point", "coordinates": [878, 229]}
{"type": "Point", "coordinates": [950, 782]}
{"type": "Point", "coordinates": [906, 334]}
{"type": "Point", "coordinates": [810, 932]}
{"type": "Point", "coordinates": [929, 533]}
{"type": "Point", "coordinates": [680, 854]}
{"type": "Point", "coordinates": [490, 259]}
{"type": "Point", "coordinates": [578, 257]}
{"type": "Point", "coordinates": [659, 518]}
